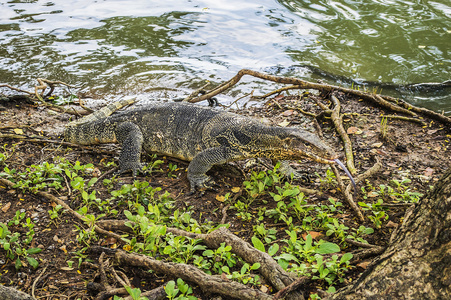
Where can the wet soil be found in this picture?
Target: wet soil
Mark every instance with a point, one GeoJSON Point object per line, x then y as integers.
{"type": "Point", "coordinates": [420, 152]}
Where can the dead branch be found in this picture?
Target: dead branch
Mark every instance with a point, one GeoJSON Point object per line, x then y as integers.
{"type": "Point", "coordinates": [292, 287]}
{"type": "Point", "coordinates": [406, 119]}
{"type": "Point", "coordinates": [36, 281]}
{"type": "Point", "coordinates": [383, 101]}
{"type": "Point", "coordinates": [368, 173]}
{"type": "Point", "coordinates": [359, 244]}
{"type": "Point", "coordinates": [278, 91]}
{"type": "Point", "coordinates": [16, 89]}
{"type": "Point", "coordinates": [208, 283]}
{"type": "Point", "coordinates": [196, 92]}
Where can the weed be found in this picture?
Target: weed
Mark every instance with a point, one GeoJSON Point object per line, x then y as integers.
{"type": "Point", "coordinates": [171, 169]}
{"type": "Point", "coordinates": [182, 292]}
{"type": "Point", "coordinates": [17, 246]}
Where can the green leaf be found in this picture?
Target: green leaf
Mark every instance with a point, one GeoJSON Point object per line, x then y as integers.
{"type": "Point", "coordinates": [182, 286]}
{"type": "Point", "coordinates": [18, 264]}
{"type": "Point", "coordinates": [170, 289]}
{"type": "Point", "coordinates": [34, 250]}
{"type": "Point", "coordinates": [92, 181]}
{"type": "Point", "coordinates": [327, 248]}
{"type": "Point", "coordinates": [273, 249]}
{"type": "Point", "coordinates": [33, 262]}
{"type": "Point", "coordinates": [258, 244]}
{"type": "Point", "coordinates": [6, 246]}
{"type": "Point", "coordinates": [345, 258]}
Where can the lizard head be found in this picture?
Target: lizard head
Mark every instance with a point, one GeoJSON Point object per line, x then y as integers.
{"type": "Point", "coordinates": [302, 144]}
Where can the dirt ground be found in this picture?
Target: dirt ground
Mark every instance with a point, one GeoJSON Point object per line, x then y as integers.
{"type": "Point", "coordinates": [420, 152]}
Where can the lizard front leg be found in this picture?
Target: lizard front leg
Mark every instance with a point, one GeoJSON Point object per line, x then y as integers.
{"type": "Point", "coordinates": [203, 162]}
{"type": "Point", "coordinates": [131, 138]}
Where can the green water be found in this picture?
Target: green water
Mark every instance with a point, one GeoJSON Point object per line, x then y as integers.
{"type": "Point", "coordinates": [167, 48]}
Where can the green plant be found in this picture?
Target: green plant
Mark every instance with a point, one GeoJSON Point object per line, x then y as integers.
{"type": "Point", "coordinates": [328, 180]}
{"type": "Point", "coordinates": [171, 169]}
{"type": "Point", "coordinates": [378, 214]}
{"type": "Point", "coordinates": [268, 235]}
{"type": "Point", "coordinates": [331, 270]}
{"type": "Point", "coordinates": [337, 229]}
{"type": "Point", "coordinates": [220, 257]}
{"type": "Point", "coordinates": [359, 232]}
{"type": "Point", "coordinates": [154, 165]}
{"type": "Point", "coordinates": [54, 212]}
{"type": "Point", "coordinates": [17, 248]}
{"type": "Point", "coordinates": [182, 292]}
{"type": "Point", "coordinates": [244, 276]}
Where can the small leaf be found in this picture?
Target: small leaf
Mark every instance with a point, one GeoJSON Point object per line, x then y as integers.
{"type": "Point", "coordinates": [327, 248]}
{"type": "Point", "coordinates": [258, 244]}
{"type": "Point", "coordinates": [220, 198]}
{"type": "Point", "coordinates": [273, 249]}
{"type": "Point", "coordinates": [345, 258]}
{"type": "Point", "coordinates": [18, 131]}
{"type": "Point", "coordinates": [236, 189]}
{"type": "Point", "coordinates": [33, 262]}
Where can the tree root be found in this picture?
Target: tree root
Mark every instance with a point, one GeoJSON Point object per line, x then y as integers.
{"type": "Point", "coordinates": [337, 119]}
{"type": "Point", "coordinates": [269, 268]}
{"type": "Point", "coordinates": [9, 293]}
{"type": "Point", "coordinates": [208, 283]}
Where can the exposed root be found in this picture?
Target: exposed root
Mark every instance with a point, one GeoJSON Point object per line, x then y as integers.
{"type": "Point", "coordinates": [337, 119]}
{"type": "Point", "coordinates": [292, 287]}
{"type": "Point", "coordinates": [208, 283]}
{"type": "Point", "coordinates": [269, 268]}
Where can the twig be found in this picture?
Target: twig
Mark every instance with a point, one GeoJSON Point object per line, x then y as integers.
{"type": "Point", "coordinates": [36, 281]}
{"type": "Point", "coordinates": [196, 92]}
{"type": "Point", "coordinates": [16, 89]}
{"type": "Point", "coordinates": [406, 119]}
{"type": "Point", "coordinates": [292, 287]}
{"type": "Point", "coordinates": [370, 172]}
{"type": "Point", "coordinates": [224, 213]}
{"type": "Point", "coordinates": [278, 91]}
{"type": "Point", "coordinates": [360, 244]}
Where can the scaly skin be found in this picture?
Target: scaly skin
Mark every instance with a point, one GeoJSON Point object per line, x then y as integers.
{"type": "Point", "coordinates": [201, 135]}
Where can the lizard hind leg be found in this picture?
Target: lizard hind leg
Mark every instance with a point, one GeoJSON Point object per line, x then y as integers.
{"type": "Point", "coordinates": [131, 138]}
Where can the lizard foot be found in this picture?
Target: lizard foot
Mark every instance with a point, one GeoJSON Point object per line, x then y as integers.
{"type": "Point", "coordinates": [201, 183]}
{"type": "Point", "coordinates": [134, 167]}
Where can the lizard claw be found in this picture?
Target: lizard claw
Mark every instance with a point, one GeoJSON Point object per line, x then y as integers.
{"type": "Point", "coordinates": [203, 183]}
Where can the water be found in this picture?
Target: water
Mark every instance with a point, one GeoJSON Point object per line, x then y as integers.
{"type": "Point", "coordinates": [167, 48]}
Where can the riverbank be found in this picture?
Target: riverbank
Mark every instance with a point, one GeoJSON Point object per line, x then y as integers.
{"type": "Point", "coordinates": [252, 200]}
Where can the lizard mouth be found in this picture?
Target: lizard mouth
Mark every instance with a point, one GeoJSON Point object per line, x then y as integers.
{"type": "Point", "coordinates": [347, 173]}
{"type": "Point", "coordinates": [338, 162]}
